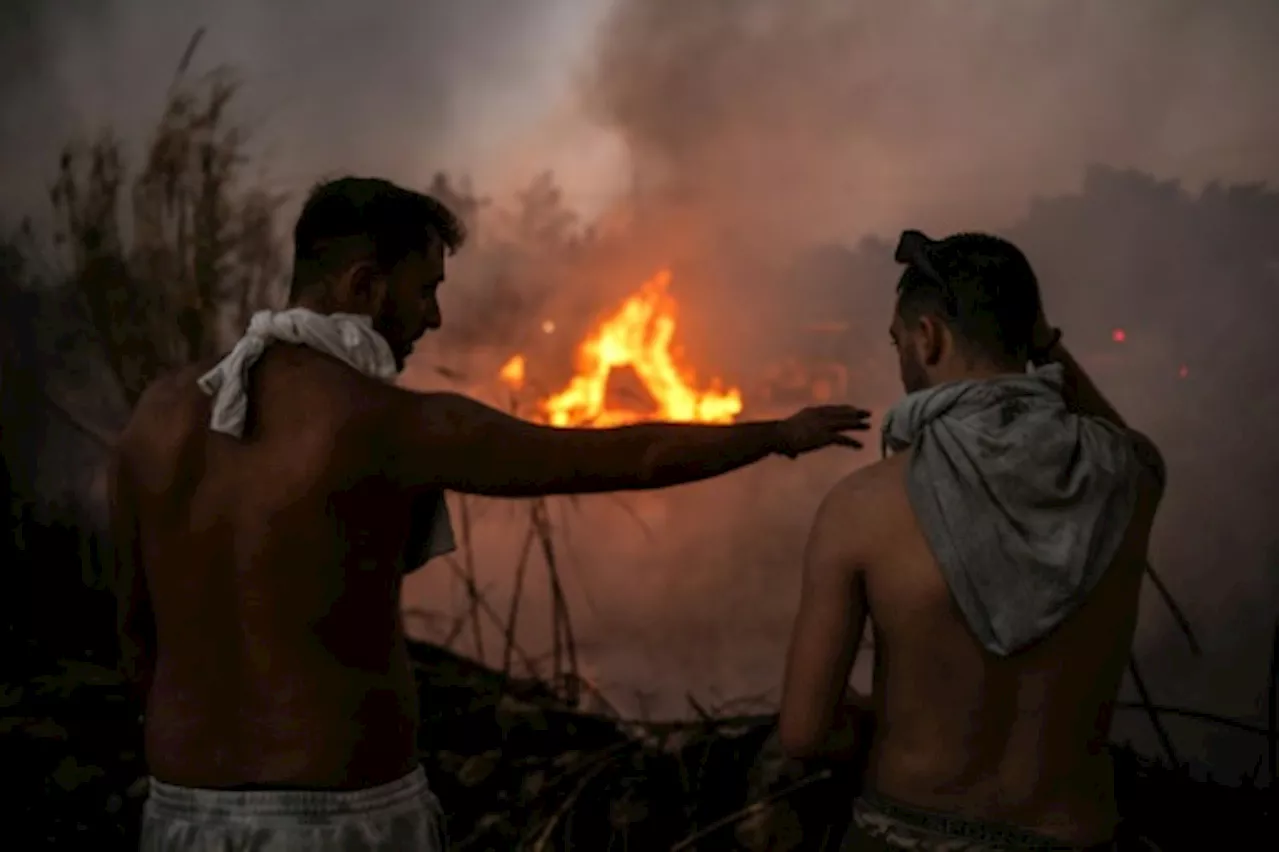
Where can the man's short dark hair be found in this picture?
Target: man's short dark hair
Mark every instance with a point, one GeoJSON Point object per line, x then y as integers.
{"type": "Point", "coordinates": [350, 217]}
{"type": "Point", "coordinates": [981, 286]}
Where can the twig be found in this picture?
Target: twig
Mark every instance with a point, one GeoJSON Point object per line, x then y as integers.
{"type": "Point", "coordinates": [187, 56]}
{"type": "Point", "coordinates": [1165, 742]}
{"type": "Point", "coordinates": [601, 763]}
{"type": "Point", "coordinates": [564, 646]}
{"type": "Point", "coordinates": [101, 437]}
{"type": "Point", "coordinates": [751, 809]}
{"type": "Point", "coordinates": [1184, 624]}
{"type": "Point", "coordinates": [1198, 715]}
{"type": "Point", "coordinates": [698, 708]}
{"type": "Point", "coordinates": [631, 512]}
{"type": "Point", "coordinates": [469, 557]}
{"type": "Point", "coordinates": [487, 608]}
{"type": "Point", "coordinates": [517, 592]}
{"type": "Point", "coordinates": [459, 624]}
{"type": "Point", "coordinates": [589, 686]}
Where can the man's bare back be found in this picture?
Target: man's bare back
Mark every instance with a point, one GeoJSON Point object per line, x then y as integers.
{"type": "Point", "coordinates": [274, 566]}
{"type": "Point", "coordinates": [1020, 740]}
{"type": "Point", "coordinates": [998, 554]}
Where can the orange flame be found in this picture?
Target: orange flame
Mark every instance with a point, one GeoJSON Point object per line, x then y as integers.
{"type": "Point", "coordinates": [512, 372]}
{"type": "Point", "coordinates": [638, 335]}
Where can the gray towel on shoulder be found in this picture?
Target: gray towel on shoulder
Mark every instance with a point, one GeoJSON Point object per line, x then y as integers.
{"type": "Point", "coordinates": [1023, 503]}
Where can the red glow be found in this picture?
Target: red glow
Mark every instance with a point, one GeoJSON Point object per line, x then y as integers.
{"type": "Point", "coordinates": [1182, 371]}
{"type": "Point", "coordinates": [1118, 335]}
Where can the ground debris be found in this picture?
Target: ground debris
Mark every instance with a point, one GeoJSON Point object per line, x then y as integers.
{"type": "Point", "coordinates": [518, 768]}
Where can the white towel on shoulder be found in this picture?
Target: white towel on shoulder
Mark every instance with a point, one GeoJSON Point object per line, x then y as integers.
{"type": "Point", "coordinates": [352, 339]}
{"type": "Point", "coordinates": [347, 337]}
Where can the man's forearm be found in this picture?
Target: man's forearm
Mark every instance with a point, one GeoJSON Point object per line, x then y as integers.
{"type": "Point", "coordinates": [466, 447]}
{"type": "Point", "coordinates": [653, 455]}
{"type": "Point", "coordinates": [674, 454]}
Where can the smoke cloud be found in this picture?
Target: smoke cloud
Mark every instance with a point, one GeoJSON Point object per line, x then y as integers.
{"type": "Point", "coordinates": [856, 116]}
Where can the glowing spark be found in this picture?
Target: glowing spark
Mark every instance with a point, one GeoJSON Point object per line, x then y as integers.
{"type": "Point", "coordinates": [1118, 335]}
{"type": "Point", "coordinates": [548, 327]}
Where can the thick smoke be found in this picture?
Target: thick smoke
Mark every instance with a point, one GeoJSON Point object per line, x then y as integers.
{"type": "Point", "coordinates": [814, 120]}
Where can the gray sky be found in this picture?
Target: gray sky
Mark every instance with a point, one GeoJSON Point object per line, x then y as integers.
{"type": "Point", "coordinates": [396, 87]}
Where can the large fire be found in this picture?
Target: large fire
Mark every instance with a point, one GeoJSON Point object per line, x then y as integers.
{"type": "Point", "coordinates": [637, 336]}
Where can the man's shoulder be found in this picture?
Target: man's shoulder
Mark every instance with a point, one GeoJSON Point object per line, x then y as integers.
{"type": "Point", "coordinates": [872, 483]}
{"type": "Point", "coordinates": [294, 381]}
{"type": "Point", "coordinates": [1149, 463]}
{"type": "Point", "coordinates": [163, 402]}
{"type": "Point", "coordinates": [865, 500]}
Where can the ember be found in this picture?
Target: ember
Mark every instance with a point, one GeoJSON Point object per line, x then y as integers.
{"type": "Point", "coordinates": [637, 336]}
{"type": "Point", "coordinates": [1118, 335]}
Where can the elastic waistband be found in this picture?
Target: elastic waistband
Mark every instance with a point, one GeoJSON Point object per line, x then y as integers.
{"type": "Point", "coordinates": [196, 803]}
{"type": "Point", "coordinates": [872, 810]}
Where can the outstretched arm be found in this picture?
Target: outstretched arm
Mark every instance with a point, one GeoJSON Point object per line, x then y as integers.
{"type": "Point", "coordinates": [451, 442]}
{"type": "Point", "coordinates": [819, 719]}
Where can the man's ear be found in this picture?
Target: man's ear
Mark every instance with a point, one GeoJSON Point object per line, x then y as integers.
{"type": "Point", "coordinates": [362, 288]}
{"type": "Point", "coordinates": [932, 334]}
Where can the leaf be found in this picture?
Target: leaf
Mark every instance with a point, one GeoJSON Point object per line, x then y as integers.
{"type": "Point", "coordinates": [70, 775]}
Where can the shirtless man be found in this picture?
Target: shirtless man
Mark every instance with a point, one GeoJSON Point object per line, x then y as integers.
{"type": "Point", "coordinates": [263, 519]}
{"type": "Point", "coordinates": [998, 554]}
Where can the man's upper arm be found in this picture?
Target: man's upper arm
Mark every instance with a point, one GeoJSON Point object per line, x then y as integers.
{"type": "Point", "coordinates": [448, 441]}
{"type": "Point", "coordinates": [828, 627]}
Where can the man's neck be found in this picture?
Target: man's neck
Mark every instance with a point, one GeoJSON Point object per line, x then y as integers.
{"type": "Point", "coordinates": [316, 304]}
{"type": "Point", "coordinates": [977, 372]}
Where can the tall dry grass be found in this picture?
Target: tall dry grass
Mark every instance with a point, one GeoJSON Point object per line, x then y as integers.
{"type": "Point", "coordinates": [171, 258]}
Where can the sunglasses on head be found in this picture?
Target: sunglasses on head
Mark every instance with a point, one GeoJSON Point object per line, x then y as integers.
{"type": "Point", "coordinates": [913, 251]}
